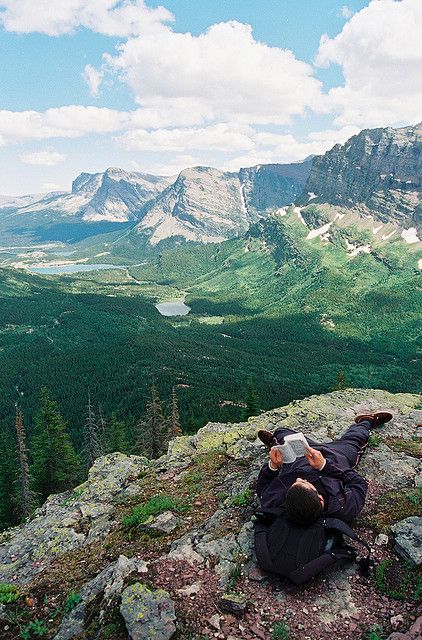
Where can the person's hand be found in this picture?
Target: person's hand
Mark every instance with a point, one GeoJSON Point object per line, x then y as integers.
{"type": "Point", "coordinates": [276, 457]}
{"type": "Point", "coordinates": [315, 458]}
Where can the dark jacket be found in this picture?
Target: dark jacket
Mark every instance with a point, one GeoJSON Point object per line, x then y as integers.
{"type": "Point", "coordinates": [343, 489]}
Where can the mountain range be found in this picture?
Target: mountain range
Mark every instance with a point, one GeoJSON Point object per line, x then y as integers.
{"type": "Point", "coordinates": [377, 173]}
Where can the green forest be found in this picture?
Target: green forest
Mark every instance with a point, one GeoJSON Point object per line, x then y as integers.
{"type": "Point", "coordinates": [272, 316]}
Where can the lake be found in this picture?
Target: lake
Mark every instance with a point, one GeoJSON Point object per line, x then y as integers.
{"type": "Point", "coordinates": [172, 308]}
{"type": "Point", "coordinates": [71, 268]}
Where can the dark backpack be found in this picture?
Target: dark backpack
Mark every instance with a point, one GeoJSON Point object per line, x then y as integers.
{"type": "Point", "coordinates": [300, 552]}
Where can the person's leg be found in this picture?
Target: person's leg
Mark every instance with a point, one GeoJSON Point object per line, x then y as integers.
{"type": "Point", "coordinates": [353, 443]}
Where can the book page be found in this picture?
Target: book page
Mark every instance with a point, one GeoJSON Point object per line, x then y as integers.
{"type": "Point", "coordinates": [294, 446]}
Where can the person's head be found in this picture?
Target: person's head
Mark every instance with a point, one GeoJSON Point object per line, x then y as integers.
{"type": "Point", "coordinates": [303, 503]}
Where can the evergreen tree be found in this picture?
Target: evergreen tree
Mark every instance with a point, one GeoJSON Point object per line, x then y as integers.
{"type": "Point", "coordinates": [341, 381]}
{"type": "Point", "coordinates": [174, 429]}
{"type": "Point", "coordinates": [94, 437]}
{"type": "Point", "coordinates": [251, 402]}
{"type": "Point", "coordinates": [8, 476]}
{"type": "Point", "coordinates": [56, 466]}
{"type": "Point", "coordinates": [117, 438]}
{"type": "Point", "coordinates": [26, 497]}
{"type": "Point", "coordinates": [151, 430]}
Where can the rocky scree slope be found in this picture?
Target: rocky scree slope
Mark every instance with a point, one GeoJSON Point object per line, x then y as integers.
{"type": "Point", "coordinates": [164, 549]}
{"type": "Point", "coordinates": [378, 171]}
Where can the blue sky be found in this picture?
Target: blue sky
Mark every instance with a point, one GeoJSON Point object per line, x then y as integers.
{"type": "Point", "coordinates": [156, 87]}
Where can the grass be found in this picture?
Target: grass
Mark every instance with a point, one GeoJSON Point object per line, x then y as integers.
{"type": "Point", "coordinates": [280, 631]}
{"type": "Point", "coordinates": [242, 499]}
{"type": "Point", "coordinates": [394, 506]}
{"type": "Point", "coordinates": [8, 593]}
{"type": "Point", "coordinates": [375, 632]}
{"type": "Point", "coordinates": [155, 505]}
{"type": "Point", "coordinates": [410, 447]}
{"type": "Point", "coordinates": [398, 580]}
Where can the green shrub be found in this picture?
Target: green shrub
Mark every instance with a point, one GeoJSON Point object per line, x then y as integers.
{"type": "Point", "coordinates": [242, 499]}
{"type": "Point", "coordinates": [398, 580]}
{"type": "Point", "coordinates": [35, 629]}
{"type": "Point", "coordinates": [280, 632]}
{"type": "Point", "coordinates": [8, 593]}
{"type": "Point", "coordinates": [154, 506]}
{"type": "Point", "coordinates": [375, 632]}
{"type": "Point", "coordinates": [72, 601]}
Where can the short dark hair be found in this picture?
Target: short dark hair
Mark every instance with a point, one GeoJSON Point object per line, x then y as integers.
{"type": "Point", "coordinates": [302, 505]}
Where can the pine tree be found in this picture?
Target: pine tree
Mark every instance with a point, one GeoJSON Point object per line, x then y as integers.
{"type": "Point", "coordinates": [26, 497]}
{"type": "Point", "coordinates": [151, 430]}
{"type": "Point", "coordinates": [341, 381]}
{"type": "Point", "coordinates": [174, 429]}
{"type": "Point", "coordinates": [56, 466]}
{"type": "Point", "coordinates": [251, 402]}
{"type": "Point", "coordinates": [117, 438]}
{"type": "Point", "coordinates": [94, 438]}
{"type": "Point", "coordinates": [8, 477]}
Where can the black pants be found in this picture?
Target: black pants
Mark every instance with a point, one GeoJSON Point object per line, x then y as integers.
{"type": "Point", "coordinates": [352, 444]}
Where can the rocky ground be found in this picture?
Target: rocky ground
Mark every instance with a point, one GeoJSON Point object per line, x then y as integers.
{"type": "Point", "coordinates": [164, 549]}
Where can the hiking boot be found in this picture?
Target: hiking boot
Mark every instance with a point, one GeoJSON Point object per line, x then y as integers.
{"type": "Point", "coordinates": [378, 418]}
{"type": "Point", "coordinates": [267, 438]}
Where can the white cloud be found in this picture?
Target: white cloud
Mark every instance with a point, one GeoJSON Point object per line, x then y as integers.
{"type": "Point", "coordinates": [223, 74]}
{"type": "Point", "coordinates": [93, 77]}
{"type": "Point", "coordinates": [43, 158]}
{"type": "Point", "coordinates": [380, 52]}
{"type": "Point", "coordinates": [346, 12]}
{"type": "Point", "coordinates": [64, 122]}
{"type": "Point", "coordinates": [51, 186]}
{"type": "Point", "coordinates": [110, 17]}
{"type": "Point", "coordinates": [221, 137]}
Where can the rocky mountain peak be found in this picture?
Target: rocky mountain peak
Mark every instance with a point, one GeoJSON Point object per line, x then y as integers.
{"type": "Point", "coordinates": [378, 172]}
{"type": "Point", "coordinates": [90, 541]}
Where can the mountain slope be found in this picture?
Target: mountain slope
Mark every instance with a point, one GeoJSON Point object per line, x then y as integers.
{"type": "Point", "coordinates": [378, 172]}
{"type": "Point", "coordinates": [114, 196]}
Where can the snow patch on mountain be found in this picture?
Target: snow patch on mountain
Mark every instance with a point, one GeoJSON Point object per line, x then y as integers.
{"type": "Point", "coordinates": [410, 235]}
{"type": "Point", "coordinates": [319, 232]}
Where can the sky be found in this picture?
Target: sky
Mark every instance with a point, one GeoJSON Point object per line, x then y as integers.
{"type": "Point", "coordinates": [157, 87]}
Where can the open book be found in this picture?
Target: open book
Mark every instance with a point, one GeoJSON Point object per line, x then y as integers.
{"type": "Point", "coordinates": [295, 445]}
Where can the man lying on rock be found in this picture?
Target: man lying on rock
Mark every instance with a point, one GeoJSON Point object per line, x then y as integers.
{"type": "Point", "coordinates": [321, 483]}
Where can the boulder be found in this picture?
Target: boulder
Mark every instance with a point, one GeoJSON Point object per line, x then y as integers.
{"type": "Point", "coordinates": [148, 614]}
{"type": "Point", "coordinates": [109, 582]}
{"type": "Point", "coordinates": [408, 536]}
{"type": "Point", "coordinates": [68, 520]}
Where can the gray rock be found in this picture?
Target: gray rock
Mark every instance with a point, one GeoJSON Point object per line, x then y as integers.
{"type": "Point", "coordinates": [165, 522]}
{"type": "Point", "coordinates": [55, 529]}
{"type": "Point", "coordinates": [377, 171]}
{"type": "Point", "coordinates": [390, 468]}
{"type": "Point", "coordinates": [2, 611]}
{"type": "Point", "coordinates": [408, 536]}
{"type": "Point", "coordinates": [381, 540]}
{"type": "Point", "coordinates": [234, 603]}
{"type": "Point", "coordinates": [148, 614]}
{"type": "Point", "coordinates": [109, 582]}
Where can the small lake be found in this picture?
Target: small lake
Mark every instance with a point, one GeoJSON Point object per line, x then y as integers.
{"type": "Point", "coordinates": [72, 268]}
{"type": "Point", "coordinates": [172, 308]}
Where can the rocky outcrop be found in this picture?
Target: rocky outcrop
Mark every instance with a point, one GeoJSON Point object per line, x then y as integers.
{"type": "Point", "coordinates": [70, 520]}
{"type": "Point", "coordinates": [147, 613]}
{"type": "Point", "coordinates": [109, 584]}
{"type": "Point", "coordinates": [189, 559]}
{"type": "Point", "coordinates": [378, 171]}
{"type": "Point", "coordinates": [408, 539]}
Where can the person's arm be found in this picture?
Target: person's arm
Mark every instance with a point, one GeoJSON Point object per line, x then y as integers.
{"type": "Point", "coordinates": [349, 499]}
{"type": "Point", "coordinates": [270, 487]}
{"type": "Point", "coordinates": [348, 502]}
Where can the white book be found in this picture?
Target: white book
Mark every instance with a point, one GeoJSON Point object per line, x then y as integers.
{"type": "Point", "coordinates": [295, 445]}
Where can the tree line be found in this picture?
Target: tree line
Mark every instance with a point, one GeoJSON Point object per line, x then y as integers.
{"type": "Point", "coordinates": [52, 464]}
